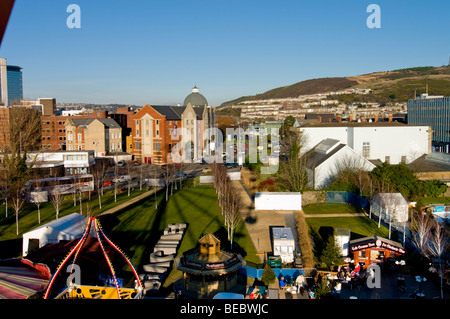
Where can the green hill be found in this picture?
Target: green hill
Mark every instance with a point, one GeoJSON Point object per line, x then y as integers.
{"type": "Point", "coordinates": [389, 86]}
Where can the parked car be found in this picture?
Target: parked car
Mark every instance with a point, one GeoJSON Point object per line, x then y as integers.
{"type": "Point", "coordinates": [207, 170]}
{"type": "Point", "coordinates": [122, 178]}
{"type": "Point", "coordinates": [107, 183]}
{"type": "Point", "coordinates": [180, 174]}
{"type": "Point", "coordinates": [121, 163]}
{"type": "Point", "coordinates": [232, 165]}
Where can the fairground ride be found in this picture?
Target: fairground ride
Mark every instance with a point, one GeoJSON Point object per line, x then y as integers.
{"type": "Point", "coordinates": [79, 291]}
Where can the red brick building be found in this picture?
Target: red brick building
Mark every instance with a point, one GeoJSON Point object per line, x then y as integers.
{"type": "Point", "coordinates": [54, 131]}
{"type": "Point", "coordinates": [154, 133]}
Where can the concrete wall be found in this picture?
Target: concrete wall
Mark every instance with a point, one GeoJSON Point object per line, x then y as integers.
{"type": "Point", "coordinates": [278, 201]}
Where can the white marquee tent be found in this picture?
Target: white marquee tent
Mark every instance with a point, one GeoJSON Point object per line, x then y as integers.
{"type": "Point", "coordinates": [391, 206]}
{"type": "Point", "coordinates": [69, 227]}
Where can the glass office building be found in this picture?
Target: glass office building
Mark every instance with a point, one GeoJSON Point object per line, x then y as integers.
{"type": "Point", "coordinates": [432, 111]}
{"type": "Point", "coordinates": [13, 86]}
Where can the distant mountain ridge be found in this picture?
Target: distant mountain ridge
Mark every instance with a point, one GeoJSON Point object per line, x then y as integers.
{"type": "Point", "coordinates": [388, 86]}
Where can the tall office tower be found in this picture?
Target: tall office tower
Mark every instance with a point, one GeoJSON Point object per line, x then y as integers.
{"type": "Point", "coordinates": [432, 111]}
{"type": "Point", "coordinates": [11, 85]}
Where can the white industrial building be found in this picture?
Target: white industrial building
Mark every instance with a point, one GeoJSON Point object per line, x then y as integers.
{"type": "Point", "coordinates": [385, 141]}
{"type": "Point", "coordinates": [66, 228]}
{"type": "Point", "coordinates": [392, 207]}
{"type": "Point", "coordinates": [328, 158]}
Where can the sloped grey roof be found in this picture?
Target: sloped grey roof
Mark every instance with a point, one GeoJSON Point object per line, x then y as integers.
{"type": "Point", "coordinates": [108, 122]}
{"type": "Point", "coordinates": [172, 113]}
{"type": "Point", "coordinates": [314, 158]}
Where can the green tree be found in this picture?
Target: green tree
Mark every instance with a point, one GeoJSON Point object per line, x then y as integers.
{"type": "Point", "coordinates": [396, 178]}
{"type": "Point", "coordinates": [434, 188]}
{"type": "Point", "coordinates": [268, 277]}
{"type": "Point", "coordinates": [331, 255]}
{"type": "Point", "coordinates": [322, 288]}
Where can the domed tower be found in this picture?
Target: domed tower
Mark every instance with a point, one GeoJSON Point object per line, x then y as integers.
{"type": "Point", "coordinates": [195, 98]}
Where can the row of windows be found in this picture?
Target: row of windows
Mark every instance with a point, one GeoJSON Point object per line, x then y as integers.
{"type": "Point", "coordinates": [61, 138]}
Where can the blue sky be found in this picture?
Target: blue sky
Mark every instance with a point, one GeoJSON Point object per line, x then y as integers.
{"type": "Point", "coordinates": [153, 52]}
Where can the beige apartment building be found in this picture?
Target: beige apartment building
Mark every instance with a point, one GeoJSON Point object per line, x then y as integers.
{"type": "Point", "coordinates": [103, 136]}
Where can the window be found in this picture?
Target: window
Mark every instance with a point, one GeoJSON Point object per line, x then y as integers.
{"type": "Point", "coordinates": [366, 149]}
{"type": "Point", "coordinates": [138, 145]}
{"type": "Point", "coordinates": [362, 254]}
{"type": "Point", "coordinates": [192, 121]}
{"type": "Point", "coordinates": [79, 136]}
{"type": "Point", "coordinates": [157, 146]}
{"type": "Point", "coordinates": [157, 122]}
{"type": "Point", "coordinates": [387, 159]}
{"type": "Point", "coordinates": [147, 132]}
{"type": "Point", "coordinates": [157, 132]}
{"type": "Point", "coordinates": [403, 159]}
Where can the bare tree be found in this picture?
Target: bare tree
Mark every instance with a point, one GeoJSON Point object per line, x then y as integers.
{"type": "Point", "coordinates": [437, 246]}
{"type": "Point", "coordinates": [99, 174]}
{"type": "Point", "coordinates": [57, 199]}
{"type": "Point", "coordinates": [37, 199]}
{"type": "Point", "coordinates": [233, 215]}
{"type": "Point", "coordinates": [20, 131]}
{"type": "Point", "coordinates": [18, 199]}
{"type": "Point", "coordinates": [421, 230]}
{"type": "Point", "coordinates": [293, 174]}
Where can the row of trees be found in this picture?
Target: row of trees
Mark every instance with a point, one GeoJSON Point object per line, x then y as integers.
{"type": "Point", "coordinates": [19, 134]}
{"type": "Point", "coordinates": [229, 200]}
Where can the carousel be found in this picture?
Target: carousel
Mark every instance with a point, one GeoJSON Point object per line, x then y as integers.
{"type": "Point", "coordinates": [98, 244]}
{"type": "Point", "coordinates": [208, 270]}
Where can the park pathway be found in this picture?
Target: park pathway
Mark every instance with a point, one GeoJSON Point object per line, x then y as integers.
{"type": "Point", "coordinates": [258, 223]}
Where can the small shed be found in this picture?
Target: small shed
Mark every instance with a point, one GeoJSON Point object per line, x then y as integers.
{"type": "Point", "coordinates": [390, 207]}
{"type": "Point", "coordinates": [342, 237]}
{"type": "Point", "coordinates": [283, 244]}
{"type": "Point", "coordinates": [66, 228]}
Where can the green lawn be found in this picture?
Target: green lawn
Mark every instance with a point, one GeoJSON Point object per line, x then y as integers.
{"type": "Point", "coordinates": [321, 208]}
{"type": "Point", "coordinates": [435, 200]}
{"type": "Point", "coordinates": [359, 226]}
{"type": "Point", "coordinates": [28, 217]}
{"type": "Point", "coordinates": [322, 227]}
{"type": "Point", "coordinates": [137, 230]}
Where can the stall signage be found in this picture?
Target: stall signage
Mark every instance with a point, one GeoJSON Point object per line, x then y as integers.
{"type": "Point", "coordinates": [378, 244]}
